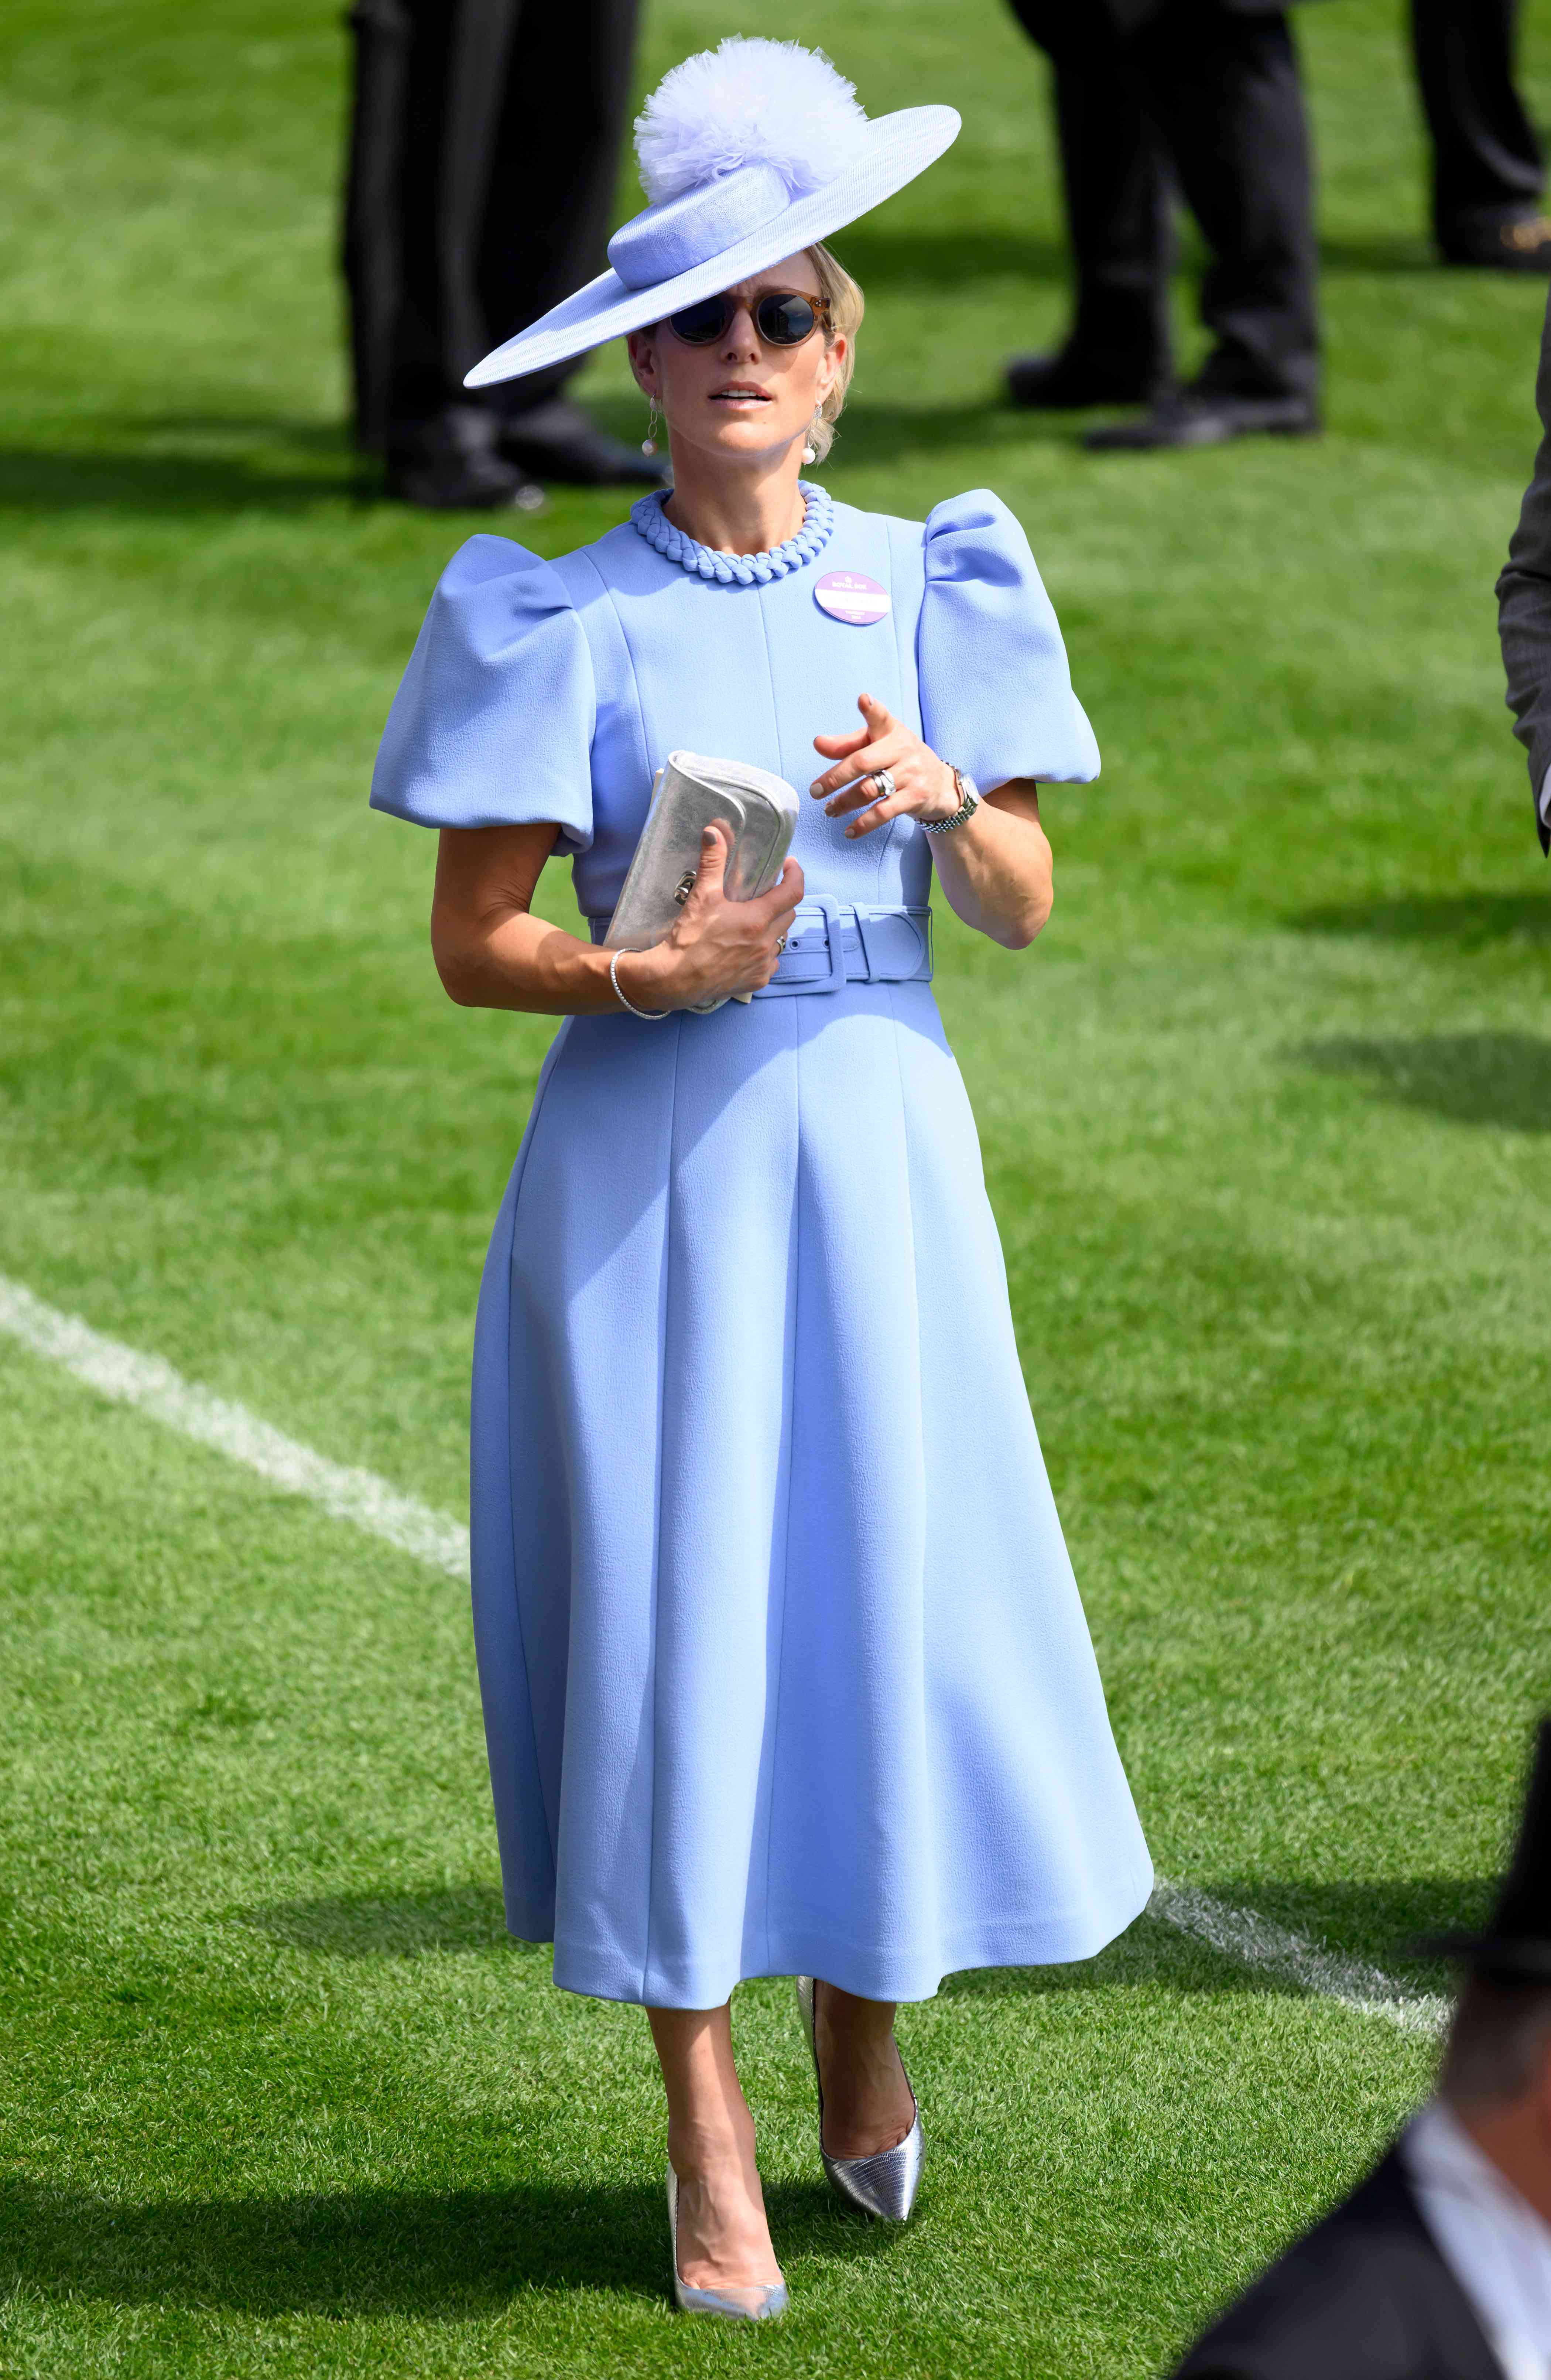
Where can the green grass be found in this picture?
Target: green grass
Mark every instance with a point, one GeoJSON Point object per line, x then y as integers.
{"type": "Point", "coordinates": [1265, 1118]}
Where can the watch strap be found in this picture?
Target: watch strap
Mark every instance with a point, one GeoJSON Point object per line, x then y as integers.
{"type": "Point", "coordinates": [969, 802]}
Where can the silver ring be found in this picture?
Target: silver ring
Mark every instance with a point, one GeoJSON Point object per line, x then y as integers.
{"type": "Point", "coordinates": [781, 944]}
{"type": "Point", "coordinates": [884, 780]}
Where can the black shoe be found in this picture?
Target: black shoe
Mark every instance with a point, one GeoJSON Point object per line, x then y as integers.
{"type": "Point", "coordinates": [556, 441]}
{"type": "Point", "coordinates": [1196, 416]}
{"type": "Point", "coordinates": [449, 464]}
{"type": "Point", "coordinates": [1070, 378]}
{"type": "Point", "coordinates": [1522, 246]}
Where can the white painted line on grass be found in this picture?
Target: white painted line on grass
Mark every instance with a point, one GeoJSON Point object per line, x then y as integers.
{"type": "Point", "coordinates": [144, 1381]}
{"type": "Point", "coordinates": [368, 1503]}
{"type": "Point", "coordinates": [1293, 1959]}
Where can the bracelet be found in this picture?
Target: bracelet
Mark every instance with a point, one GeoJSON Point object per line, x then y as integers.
{"type": "Point", "coordinates": [969, 802]}
{"type": "Point", "coordinates": [647, 1016]}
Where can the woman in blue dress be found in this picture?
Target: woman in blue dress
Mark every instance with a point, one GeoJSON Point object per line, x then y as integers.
{"type": "Point", "coordinates": [783, 1662]}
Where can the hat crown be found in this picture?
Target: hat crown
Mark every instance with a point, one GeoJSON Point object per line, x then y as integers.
{"type": "Point", "coordinates": [725, 143]}
{"type": "Point", "coordinates": [680, 233]}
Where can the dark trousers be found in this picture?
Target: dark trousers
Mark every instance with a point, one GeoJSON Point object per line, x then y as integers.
{"type": "Point", "coordinates": [1207, 98]}
{"type": "Point", "coordinates": [1487, 164]}
{"type": "Point", "coordinates": [484, 146]}
{"type": "Point", "coordinates": [1191, 92]}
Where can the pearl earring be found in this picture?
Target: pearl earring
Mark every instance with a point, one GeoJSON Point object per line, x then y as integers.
{"type": "Point", "coordinates": [810, 452]}
{"type": "Point", "coordinates": [649, 443]}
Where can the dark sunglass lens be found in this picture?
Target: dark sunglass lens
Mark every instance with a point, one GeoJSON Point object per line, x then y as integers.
{"type": "Point", "coordinates": [699, 325]}
{"type": "Point", "coordinates": [786, 322]}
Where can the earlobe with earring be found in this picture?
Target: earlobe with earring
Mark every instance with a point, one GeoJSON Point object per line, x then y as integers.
{"type": "Point", "coordinates": [649, 443]}
{"type": "Point", "coordinates": [810, 452]}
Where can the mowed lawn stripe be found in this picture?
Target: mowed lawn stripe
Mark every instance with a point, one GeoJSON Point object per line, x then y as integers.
{"type": "Point", "coordinates": [1291, 1957]}
{"type": "Point", "coordinates": [1264, 1119]}
{"type": "Point", "coordinates": [368, 1502]}
{"type": "Point", "coordinates": [145, 1382]}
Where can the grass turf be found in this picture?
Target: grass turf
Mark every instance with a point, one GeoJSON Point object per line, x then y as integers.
{"type": "Point", "coordinates": [1264, 1116]}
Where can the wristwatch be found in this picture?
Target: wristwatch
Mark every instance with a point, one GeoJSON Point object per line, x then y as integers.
{"type": "Point", "coordinates": [969, 802]}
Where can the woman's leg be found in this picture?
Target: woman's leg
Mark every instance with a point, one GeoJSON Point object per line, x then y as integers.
{"type": "Point", "coordinates": [867, 2102]}
{"type": "Point", "coordinates": [724, 2240]}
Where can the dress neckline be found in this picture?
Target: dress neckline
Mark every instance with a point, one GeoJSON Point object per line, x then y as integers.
{"type": "Point", "coordinates": [649, 520]}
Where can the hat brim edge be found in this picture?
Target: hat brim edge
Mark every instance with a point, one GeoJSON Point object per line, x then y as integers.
{"type": "Point", "coordinates": [904, 145]}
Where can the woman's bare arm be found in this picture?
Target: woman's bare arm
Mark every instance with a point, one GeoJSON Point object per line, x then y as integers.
{"type": "Point", "coordinates": [491, 950]}
{"type": "Point", "coordinates": [995, 869]}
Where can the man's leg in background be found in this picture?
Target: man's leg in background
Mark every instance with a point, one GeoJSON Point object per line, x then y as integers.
{"type": "Point", "coordinates": [427, 80]}
{"type": "Point", "coordinates": [1118, 216]}
{"type": "Point", "coordinates": [1487, 177]}
{"type": "Point", "coordinates": [1228, 92]}
{"type": "Point", "coordinates": [380, 58]}
{"type": "Point", "coordinates": [1222, 84]}
{"type": "Point", "coordinates": [555, 165]}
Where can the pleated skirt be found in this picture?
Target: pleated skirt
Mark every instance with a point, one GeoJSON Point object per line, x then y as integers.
{"type": "Point", "coordinates": [783, 1662]}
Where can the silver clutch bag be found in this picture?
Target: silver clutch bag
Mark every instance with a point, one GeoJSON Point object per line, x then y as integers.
{"type": "Point", "coordinates": [688, 794]}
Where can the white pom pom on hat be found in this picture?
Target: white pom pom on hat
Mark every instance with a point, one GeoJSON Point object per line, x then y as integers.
{"type": "Point", "coordinates": [748, 101]}
{"type": "Point", "coordinates": [748, 154]}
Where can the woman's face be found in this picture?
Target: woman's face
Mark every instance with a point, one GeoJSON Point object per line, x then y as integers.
{"type": "Point", "coordinates": [742, 395]}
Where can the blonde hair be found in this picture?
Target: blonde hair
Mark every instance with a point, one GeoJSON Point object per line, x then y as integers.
{"type": "Point", "coordinates": [847, 305]}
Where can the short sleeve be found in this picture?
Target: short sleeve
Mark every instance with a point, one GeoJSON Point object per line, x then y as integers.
{"type": "Point", "coordinates": [493, 724]}
{"type": "Point", "coordinates": [996, 692]}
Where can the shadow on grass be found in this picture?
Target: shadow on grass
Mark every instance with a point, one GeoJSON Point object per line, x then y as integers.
{"type": "Point", "coordinates": [388, 1925]}
{"type": "Point", "coordinates": [951, 258]}
{"type": "Point", "coordinates": [958, 255]}
{"type": "Point", "coordinates": [307, 436]}
{"type": "Point", "coordinates": [171, 484]}
{"type": "Point", "coordinates": [1467, 921]}
{"type": "Point", "coordinates": [1378, 1924]}
{"type": "Point", "coordinates": [1380, 252]}
{"type": "Point", "coordinates": [451, 2254]}
{"type": "Point", "coordinates": [1374, 1922]}
{"type": "Point", "coordinates": [196, 484]}
{"type": "Point", "coordinates": [346, 2252]}
{"type": "Point", "coordinates": [881, 433]}
{"type": "Point", "coordinates": [1480, 1079]}
{"type": "Point", "coordinates": [195, 465]}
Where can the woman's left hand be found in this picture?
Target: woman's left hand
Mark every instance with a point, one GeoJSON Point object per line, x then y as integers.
{"type": "Point", "coordinates": [924, 785]}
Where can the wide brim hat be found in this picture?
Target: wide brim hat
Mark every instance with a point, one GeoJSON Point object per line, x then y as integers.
{"type": "Point", "coordinates": [748, 154]}
{"type": "Point", "coordinates": [1516, 1940]}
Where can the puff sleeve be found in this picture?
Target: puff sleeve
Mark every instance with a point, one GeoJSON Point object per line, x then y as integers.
{"type": "Point", "coordinates": [493, 723]}
{"type": "Point", "coordinates": [996, 692]}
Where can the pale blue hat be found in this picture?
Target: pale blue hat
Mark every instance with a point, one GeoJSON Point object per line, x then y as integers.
{"type": "Point", "coordinates": [748, 153]}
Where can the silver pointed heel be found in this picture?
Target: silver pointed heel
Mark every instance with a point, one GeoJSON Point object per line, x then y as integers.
{"type": "Point", "coordinates": [766, 2301]}
{"type": "Point", "coordinates": [884, 2184]}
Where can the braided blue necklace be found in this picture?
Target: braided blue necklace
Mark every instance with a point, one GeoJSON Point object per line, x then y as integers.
{"type": "Point", "coordinates": [737, 569]}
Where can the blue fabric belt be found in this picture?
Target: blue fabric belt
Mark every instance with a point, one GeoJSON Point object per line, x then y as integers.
{"type": "Point", "coordinates": [832, 942]}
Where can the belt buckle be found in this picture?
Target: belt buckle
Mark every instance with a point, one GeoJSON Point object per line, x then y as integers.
{"type": "Point", "coordinates": [889, 956]}
{"type": "Point", "coordinates": [834, 943]}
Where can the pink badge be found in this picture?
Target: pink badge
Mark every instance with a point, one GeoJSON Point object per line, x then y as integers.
{"type": "Point", "coordinates": [852, 595]}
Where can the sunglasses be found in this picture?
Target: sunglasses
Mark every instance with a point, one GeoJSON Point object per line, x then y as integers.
{"type": "Point", "coordinates": [783, 317]}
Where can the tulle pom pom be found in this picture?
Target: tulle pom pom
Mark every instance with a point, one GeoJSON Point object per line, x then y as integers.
{"type": "Point", "coordinates": [747, 101]}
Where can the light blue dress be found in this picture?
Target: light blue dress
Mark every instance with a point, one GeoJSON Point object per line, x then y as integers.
{"type": "Point", "coordinates": [783, 1660]}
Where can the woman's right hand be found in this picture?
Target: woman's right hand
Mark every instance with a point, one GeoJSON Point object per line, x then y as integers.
{"type": "Point", "coordinates": [717, 946]}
